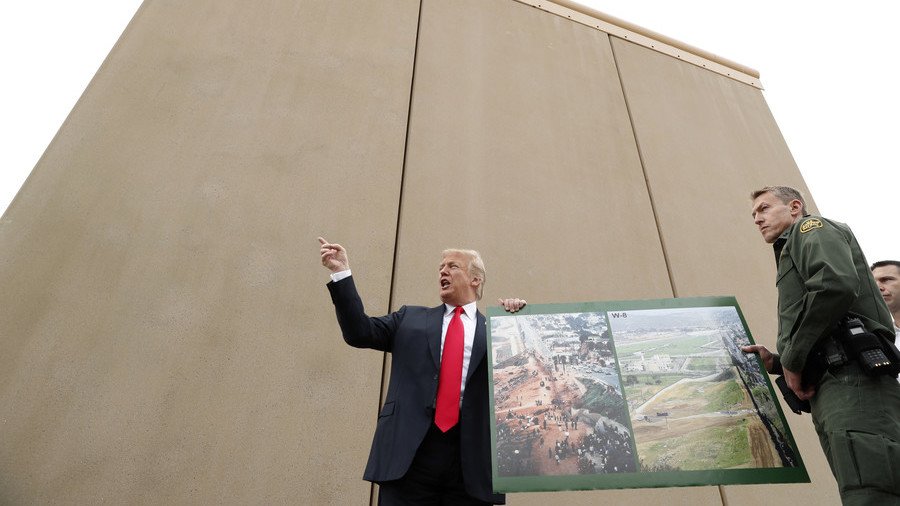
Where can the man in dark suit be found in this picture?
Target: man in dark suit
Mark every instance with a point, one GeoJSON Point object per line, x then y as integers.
{"type": "Point", "coordinates": [432, 441]}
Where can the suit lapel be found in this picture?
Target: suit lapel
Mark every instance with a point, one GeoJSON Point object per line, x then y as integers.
{"type": "Point", "coordinates": [433, 327]}
{"type": "Point", "coordinates": [479, 346]}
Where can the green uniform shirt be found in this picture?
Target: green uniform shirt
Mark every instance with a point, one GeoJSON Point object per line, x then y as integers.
{"type": "Point", "coordinates": [822, 275]}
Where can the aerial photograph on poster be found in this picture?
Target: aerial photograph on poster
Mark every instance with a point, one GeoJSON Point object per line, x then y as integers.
{"type": "Point", "coordinates": [628, 394]}
{"type": "Point", "coordinates": [559, 405]}
{"type": "Point", "coordinates": [696, 401]}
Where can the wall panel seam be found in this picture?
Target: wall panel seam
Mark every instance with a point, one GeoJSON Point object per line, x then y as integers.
{"type": "Point", "coordinates": [384, 359]}
{"type": "Point", "coordinates": [649, 39]}
{"type": "Point", "coordinates": [637, 143]}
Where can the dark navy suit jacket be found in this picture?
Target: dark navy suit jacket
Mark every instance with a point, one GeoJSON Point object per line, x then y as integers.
{"type": "Point", "coordinates": [413, 337]}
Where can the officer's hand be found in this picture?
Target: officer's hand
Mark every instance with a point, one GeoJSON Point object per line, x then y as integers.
{"type": "Point", "coordinates": [767, 357]}
{"type": "Point", "coordinates": [512, 305]}
{"type": "Point", "coordinates": [334, 256]}
{"type": "Point", "coordinates": [795, 383]}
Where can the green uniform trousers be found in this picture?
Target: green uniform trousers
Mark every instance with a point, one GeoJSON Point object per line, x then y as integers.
{"type": "Point", "coordinates": [857, 418]}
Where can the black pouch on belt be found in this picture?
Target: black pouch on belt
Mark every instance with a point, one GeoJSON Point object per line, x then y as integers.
{"type": "Point", "coordinates": [871, 351]}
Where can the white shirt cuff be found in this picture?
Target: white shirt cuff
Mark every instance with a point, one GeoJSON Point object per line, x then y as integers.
{"type": "Point", "coordinates": [337, 276]}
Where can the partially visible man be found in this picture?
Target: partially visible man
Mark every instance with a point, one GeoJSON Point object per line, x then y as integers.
{"type": "Point", "coordinates": [823, 277]}
{"type": "Point", "coordinates": [432, 443]}
{"type": "Point", "coordinates": [887, 276]}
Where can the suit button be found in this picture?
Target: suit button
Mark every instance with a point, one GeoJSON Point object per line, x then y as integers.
{"type": "Point", "coordinates": [435, 377]}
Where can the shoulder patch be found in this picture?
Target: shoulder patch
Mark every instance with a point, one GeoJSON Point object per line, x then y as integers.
{"type": "Point", "coordinates": [810, 224]}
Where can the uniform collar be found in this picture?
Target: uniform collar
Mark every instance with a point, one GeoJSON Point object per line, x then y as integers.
{"type": "Point", "coordinates": [778, 245]}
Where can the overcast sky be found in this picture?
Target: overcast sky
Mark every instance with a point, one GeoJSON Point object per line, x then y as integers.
{"type": "Point", "coordinates": [826, 68]}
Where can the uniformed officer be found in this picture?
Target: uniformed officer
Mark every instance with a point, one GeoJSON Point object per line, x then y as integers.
{"type": "Point", "coordinates": [822, 277]}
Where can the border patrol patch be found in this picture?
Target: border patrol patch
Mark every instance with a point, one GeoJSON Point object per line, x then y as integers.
{"type": "Point", "coordinates": [810, 224]}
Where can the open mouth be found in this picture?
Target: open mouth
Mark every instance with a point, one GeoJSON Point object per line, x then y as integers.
{"type": "Point", "coordinates": [445, 283]}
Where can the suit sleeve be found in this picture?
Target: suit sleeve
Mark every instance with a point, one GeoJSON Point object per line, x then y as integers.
{"type": "Point", "coordinates": [825, 263]}
{"type": "Point", "coordinates": [358, 329]}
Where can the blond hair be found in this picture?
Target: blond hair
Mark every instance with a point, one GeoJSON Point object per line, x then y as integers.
{"type": "Point", "coordinates": [475, 267]}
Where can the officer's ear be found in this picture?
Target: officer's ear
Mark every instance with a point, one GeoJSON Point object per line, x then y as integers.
{"type": "Point", "coordinates": [796, 207]}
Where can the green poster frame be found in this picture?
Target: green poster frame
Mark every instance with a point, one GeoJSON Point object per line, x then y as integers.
{"type": "Point", "coordinates": [790, 469]}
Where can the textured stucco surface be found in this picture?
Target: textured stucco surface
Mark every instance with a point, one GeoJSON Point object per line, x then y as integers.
{"type": "Point", "coordinates": [166, 333]}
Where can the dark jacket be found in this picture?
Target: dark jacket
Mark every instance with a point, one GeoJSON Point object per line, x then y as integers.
{"type": "Point", "coordinates": [822, 275]}
{"type": "Point", "coordinates": [413, 337]}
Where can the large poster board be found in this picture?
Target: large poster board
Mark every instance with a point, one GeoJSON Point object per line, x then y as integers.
{"type": "Point", "coordinates": [627, 394]}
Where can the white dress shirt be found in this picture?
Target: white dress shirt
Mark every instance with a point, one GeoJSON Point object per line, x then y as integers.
{"type": "Point", "coordinates": [897, 340]}
{"type": "Point", "coordinates": [468, 320]}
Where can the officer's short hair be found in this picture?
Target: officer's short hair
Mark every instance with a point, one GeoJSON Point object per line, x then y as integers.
{"type": "Point", "coordinates": [784, 193]}
{"type": "Point", "coordinates": [885, 263]}
{"type": "Point", "coordinates": [475, 267]}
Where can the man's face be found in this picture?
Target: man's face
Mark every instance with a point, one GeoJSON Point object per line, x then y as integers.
{"type": "Point", "coordinates": [457, 287]}
{"type": "Point", "coordinates": [773, 217]}
{"type": "Point", "coordinates": [888, 279]}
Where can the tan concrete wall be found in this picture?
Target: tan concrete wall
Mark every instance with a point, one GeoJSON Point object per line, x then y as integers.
{"type": "Point", "coordinates": [167, 337]}
{"type": "Point", "coordinates": [708, 141]}
{"type": "Point", "coordinates": [525, 109]}
{"type": "Point", "coordinates": [166, 334]}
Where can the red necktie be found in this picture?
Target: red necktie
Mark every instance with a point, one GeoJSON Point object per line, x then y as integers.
{"type": "Point", "coordinates": [446, 413]}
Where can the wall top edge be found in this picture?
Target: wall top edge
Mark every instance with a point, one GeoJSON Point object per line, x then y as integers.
{"type": "Point", "coordinates": [648, 38]}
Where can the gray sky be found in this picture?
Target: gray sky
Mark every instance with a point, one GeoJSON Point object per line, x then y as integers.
{"type": "Point", "coordinates": [825, 67]}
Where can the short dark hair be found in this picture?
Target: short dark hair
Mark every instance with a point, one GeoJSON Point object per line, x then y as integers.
{"type": "Point", "coordinates": [885, 263]}
{"type": "Point", "coordinates": [784, 193]}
